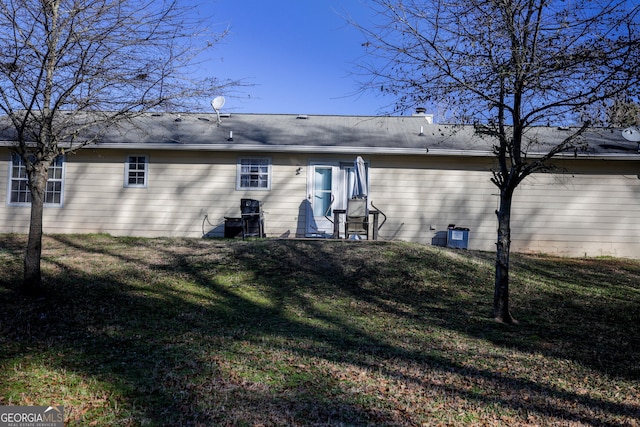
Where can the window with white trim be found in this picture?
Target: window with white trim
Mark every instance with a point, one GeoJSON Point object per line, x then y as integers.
{"type": "Point", "coordinates": [254, 173]}
{"type": "Point", "coordinates": [19, 193]}
{"type": "Point", "coordinates": [136, 171]}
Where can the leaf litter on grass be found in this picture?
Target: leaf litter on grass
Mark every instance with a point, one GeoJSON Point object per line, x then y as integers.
{"type": "Point", "coordinates": [269, 332]}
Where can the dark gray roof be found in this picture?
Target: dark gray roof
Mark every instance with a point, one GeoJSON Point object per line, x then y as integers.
{"type": "Point", "coordinates": [337, 134]}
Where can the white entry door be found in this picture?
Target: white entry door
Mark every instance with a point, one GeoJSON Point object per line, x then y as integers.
{"type": "Point", "coordinates": [321, 189]}
{"type": "Point", "coordinates": [329, 185]}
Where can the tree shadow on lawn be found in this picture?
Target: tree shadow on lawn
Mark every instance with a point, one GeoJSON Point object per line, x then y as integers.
{"type": "Point", "coordinates": [586, 310]}
{"type": "Point", "coordinates": [568, 312]}
{"type": "Point", "coordinates": [280, 333]}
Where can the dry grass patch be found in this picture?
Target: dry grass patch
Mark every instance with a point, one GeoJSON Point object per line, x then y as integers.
{"type": "Point", "coordinates": [166, 332]}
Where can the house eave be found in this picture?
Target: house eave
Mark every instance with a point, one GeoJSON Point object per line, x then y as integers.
{"type": "Point", "coordinates": [588, 156]}
{"type": "Point", "coordinates": [351, 150]}
{"type": "Point", "coordinates": [306, 149]}
{"type": "Point", "coordinates": [310, 149]}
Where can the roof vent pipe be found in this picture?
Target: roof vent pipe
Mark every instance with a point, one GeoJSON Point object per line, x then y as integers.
{"type": "Point", "coordinates": [420, 111]}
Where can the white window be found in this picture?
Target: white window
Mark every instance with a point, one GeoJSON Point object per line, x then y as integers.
{"type": "Point", "coordinates": [136, 171]}
{"type": "Point", "coordinates": [19, 184]}
{"type": "Point", "coordinates": [254, 173]}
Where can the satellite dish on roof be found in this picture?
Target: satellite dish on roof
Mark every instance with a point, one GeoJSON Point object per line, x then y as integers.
{"type": "Point", "coordinates": [631, 134]}
{"type": "Point", "coordinates": [217, 104]}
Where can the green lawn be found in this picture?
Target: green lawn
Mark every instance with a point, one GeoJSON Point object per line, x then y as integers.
{"type": "Point", "coordinates": [179, 332]}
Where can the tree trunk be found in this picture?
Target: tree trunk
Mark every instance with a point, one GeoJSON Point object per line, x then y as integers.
{"type": "Point", "coordinates": [32, 275]}
{"type": "Point", "coordinates": [501, 292]}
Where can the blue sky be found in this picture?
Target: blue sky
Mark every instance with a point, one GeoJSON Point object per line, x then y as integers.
{"type": "Point", "coordinates": [299, 56]}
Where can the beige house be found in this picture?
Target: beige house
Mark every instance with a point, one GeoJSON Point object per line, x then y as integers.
{"type": "Point", "coordinates": [181, 175]}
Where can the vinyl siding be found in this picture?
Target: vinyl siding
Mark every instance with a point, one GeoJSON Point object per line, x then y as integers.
{"type": "Point", "coordinates": [421, 196]}
{"type": "Point", "coordinates": [182, 189]}
{"type": "Point", "coordinates": [589, 208]}
{"type": "Point", "coordinates": [592, 214]}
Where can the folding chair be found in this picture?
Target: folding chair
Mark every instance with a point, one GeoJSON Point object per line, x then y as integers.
{"type": "Point", "coordinates": [357, 218]}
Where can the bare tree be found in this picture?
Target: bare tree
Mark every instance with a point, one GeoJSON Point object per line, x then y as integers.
{"type": "Point", "coordinates": [505, 66]}
{"type": "Point", "coordinates": [71, 69]}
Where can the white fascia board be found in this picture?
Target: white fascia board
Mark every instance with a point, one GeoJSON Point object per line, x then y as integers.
{"type": "Point", "coordinates": [314, 149]}
{"type": "Point", "coordinates": [588, 156]}
{"type": "Point", "coordinates": [294, 149]}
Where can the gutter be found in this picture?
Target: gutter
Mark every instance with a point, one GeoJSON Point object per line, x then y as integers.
{"type": "Point", "coordinates": [351, 150]}
{"type": "Point", "coordinates": [311, 149]}
{"type": "Point", "coordinates": [315, 149]}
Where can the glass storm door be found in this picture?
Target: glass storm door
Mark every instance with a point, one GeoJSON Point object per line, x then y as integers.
{"type": "Point", "coordinates": [322, 189]}
{"type": "Point", "coordinates": [329, 185]}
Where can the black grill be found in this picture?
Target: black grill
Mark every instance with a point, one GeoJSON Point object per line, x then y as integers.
{"type": "Point", "coordinates": [252, 217]}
